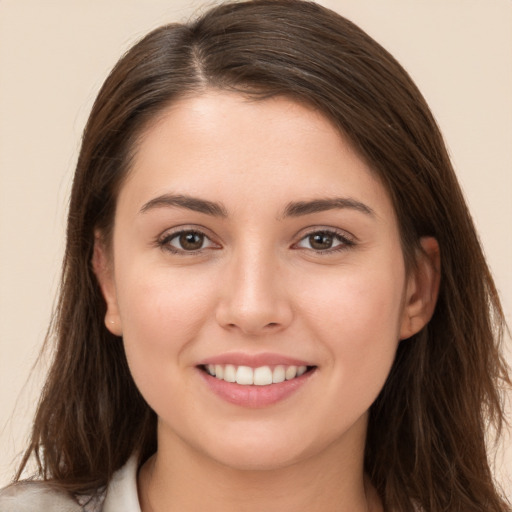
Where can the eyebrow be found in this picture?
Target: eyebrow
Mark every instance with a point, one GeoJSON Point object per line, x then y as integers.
{"type": "Point", "coordinates": [299, 208]}
{"type": "Point", "coordinates": [190, 203]}
{"type": "Point", "coordinates": [293, 209]}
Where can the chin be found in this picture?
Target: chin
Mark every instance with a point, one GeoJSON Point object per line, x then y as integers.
{"type": "Point", "coordinates": [261, 459]}
{"type": "Point", "coordinates": [264, 451]}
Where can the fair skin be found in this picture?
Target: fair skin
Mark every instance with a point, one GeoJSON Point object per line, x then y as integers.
{"type": "Point", "coordinates": [297, 263]}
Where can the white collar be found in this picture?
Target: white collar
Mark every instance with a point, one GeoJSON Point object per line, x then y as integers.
{"type": "Point", "coordinates": [122, 489]}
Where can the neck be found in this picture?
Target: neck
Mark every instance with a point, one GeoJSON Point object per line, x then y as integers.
{"type": "Point", "coordinates": [178, 478]}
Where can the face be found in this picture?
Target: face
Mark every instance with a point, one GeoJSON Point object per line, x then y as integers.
{"type": "Point", "coordinates": [252, 244]}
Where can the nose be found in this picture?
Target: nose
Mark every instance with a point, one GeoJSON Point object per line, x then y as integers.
{"type": "Point", "coordinates": [254, 297]}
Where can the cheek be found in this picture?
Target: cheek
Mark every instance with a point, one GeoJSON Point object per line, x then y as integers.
{"type": "Point", "coordinates": [155, 297]}
{"type": "Point", "coordinates": [162, 312]}
{"type": "Point", "coordinates": [357, 318]}
{"type": "Point", "coordinates": [369, 311]}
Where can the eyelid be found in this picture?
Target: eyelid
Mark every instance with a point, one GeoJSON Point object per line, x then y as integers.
{"type": "Point", "coordinates": [311, 230]}
{"type": "Point", "coordinates": [162, 240]}
{"type": "Point", "coordinates": [347, 239]}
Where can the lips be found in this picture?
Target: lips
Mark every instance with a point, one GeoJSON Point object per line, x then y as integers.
{"type": "Point", "coordinates": [254, 380]}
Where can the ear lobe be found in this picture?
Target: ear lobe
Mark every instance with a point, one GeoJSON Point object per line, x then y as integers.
{"type": "Point", "coordinates": [103, 269]}
{"type": "Point", "coordinates": [422, 289]}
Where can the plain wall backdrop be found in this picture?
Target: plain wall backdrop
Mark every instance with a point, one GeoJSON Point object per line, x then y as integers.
{"type": "Point", "coordinates": [54, 55]}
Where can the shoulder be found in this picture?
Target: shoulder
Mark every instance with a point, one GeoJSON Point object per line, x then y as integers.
{"type": "Point", "coordinates": [36, 497]}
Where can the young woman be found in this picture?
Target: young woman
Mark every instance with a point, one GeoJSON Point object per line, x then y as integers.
{"type": "Point", "coordinates": [273, 295]}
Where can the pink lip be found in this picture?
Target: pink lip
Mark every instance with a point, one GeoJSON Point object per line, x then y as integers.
{"type": "Point", "coordinates": [253, 360]}
{"type": "Point", "coordinates": [253, 396]}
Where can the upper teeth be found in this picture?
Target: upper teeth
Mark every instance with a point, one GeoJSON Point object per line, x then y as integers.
{"type": "Point", "coordinates": [261, 376]}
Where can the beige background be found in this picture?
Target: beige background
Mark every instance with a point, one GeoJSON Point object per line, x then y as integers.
{"type": "Point", "coordinates": [54, 56]}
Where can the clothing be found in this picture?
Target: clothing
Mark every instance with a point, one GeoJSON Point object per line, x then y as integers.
{"type": "Point", "coordinates": [120, 495]}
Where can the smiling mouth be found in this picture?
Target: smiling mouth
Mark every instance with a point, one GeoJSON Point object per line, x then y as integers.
{"type": "Point", "coordinates": [260, 376]}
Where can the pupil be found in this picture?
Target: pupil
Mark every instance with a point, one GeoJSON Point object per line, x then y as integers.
{"type": "Point", "coordinates": [191, 241]}
{"type": "Point", "coordinates": [320, 241]}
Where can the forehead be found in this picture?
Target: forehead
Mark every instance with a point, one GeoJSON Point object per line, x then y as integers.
{"type": "Point", "coordinates": [228, 147]}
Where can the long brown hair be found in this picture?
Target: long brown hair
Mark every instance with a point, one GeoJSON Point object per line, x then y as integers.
{"type": "Point", "coordinates": [426, 439]}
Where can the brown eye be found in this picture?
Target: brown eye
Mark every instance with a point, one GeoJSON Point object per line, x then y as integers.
{"type": "Point", "coordinates": [188, 241]}
{"type": "Point", "coordinates": [325, 241]}
{"type": "Point", "coordinates": [320, 241]}
{"type": "Point", "coordinates": [191, 241]}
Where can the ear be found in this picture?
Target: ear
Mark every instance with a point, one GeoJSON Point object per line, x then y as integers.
{"type": "Point", "coordinates": [422, 288]}
{"type": "Point", "coordinates": [103, 268]}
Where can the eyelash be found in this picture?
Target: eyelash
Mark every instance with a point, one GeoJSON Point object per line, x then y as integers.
{"type": "Point", "coordinates": [165, 241]}
{"type": "Point", "coordinates": [345, 241]}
